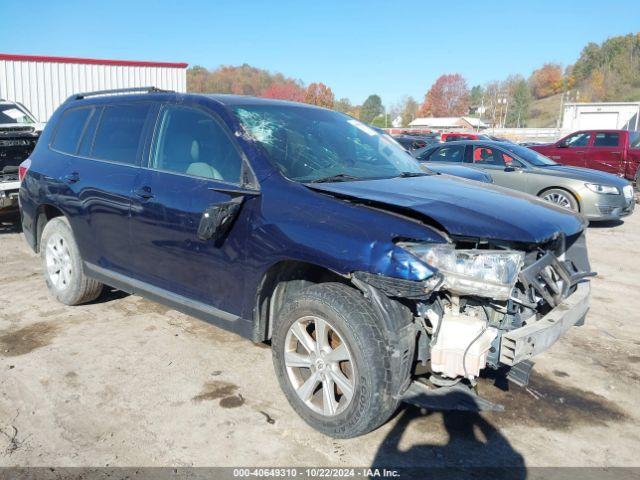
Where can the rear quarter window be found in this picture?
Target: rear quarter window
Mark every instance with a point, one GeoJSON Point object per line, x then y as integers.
{"type": "Point", "coordinates": [69, 130]}
{"type": "Point", "coordinates": [119, 132]}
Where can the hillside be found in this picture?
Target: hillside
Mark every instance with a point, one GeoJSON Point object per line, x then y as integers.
{"type": "Point", "coordinates": [544, 112]}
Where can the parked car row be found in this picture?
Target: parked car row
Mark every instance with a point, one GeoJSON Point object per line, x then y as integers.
{"type": "Point", "coordinates": [374, 279]}
{"type": "Point", "coordinates": [612, 151]}
{"type": "Point", "coordinates": [596, 195]}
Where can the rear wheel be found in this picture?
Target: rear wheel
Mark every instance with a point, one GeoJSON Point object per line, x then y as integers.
{"type": "Point", "coordinates": [62, 265]}
{"type": "Point", "coordinates": [330, 358]}
{"type": "Point", "coordinates": [561, 198]}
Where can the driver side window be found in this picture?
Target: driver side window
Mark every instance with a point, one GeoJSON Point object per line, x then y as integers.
{"type": "Point", "coordinates": [192, 142]}
{"type": "Point", "coordinates": [493, 156]}
{"type": "Point", "coordinates": [577, 140]}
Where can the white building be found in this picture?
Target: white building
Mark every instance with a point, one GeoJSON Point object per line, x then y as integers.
{"type": "Point", "coordinates": [605, 115]}
{"type": "Point", "coordinates": [43, 83]}
{"type": "Point", "coordinates": [449, 123]}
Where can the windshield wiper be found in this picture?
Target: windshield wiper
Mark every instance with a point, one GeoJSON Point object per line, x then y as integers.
{"type": "Point", "coordinates": [339, 177]}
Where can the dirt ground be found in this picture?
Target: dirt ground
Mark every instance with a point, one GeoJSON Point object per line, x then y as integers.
{"type": "Point", "coordinates": [125, 382]}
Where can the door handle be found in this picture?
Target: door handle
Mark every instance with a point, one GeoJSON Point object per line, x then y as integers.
{"type": "Point", "coordinates": [73, 177]}
{"type": "Point", "coordinates": [580, 152]}
{"type": "Point", "coordinates": [143, 192]}
{"type": "Point", "coordinates": [616, 153]}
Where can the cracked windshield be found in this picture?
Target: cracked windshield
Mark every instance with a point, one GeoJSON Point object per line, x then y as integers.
{"type": "Point", "coordinates": [316, 145]}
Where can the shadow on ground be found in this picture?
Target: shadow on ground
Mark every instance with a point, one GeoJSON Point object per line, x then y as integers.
{"type": "Point", "coordinates": [472, 443]}
{"type": "Point", "coordinates": [606, 224]}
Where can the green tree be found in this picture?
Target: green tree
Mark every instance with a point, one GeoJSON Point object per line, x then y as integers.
{"type": "Point", "coordinates": [382, 121]}
{"type": "Point", "coordinates": [409, 111]}
{"type": "Point", "coordinates": [520, 104]}
{"type": "Point", "coordinates": [371, 108]}
{"type": "Point", "coordinates": [475, 96]}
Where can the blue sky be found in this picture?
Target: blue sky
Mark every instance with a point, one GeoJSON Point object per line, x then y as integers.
{"type": "Point", "coordinates": [356, 47]}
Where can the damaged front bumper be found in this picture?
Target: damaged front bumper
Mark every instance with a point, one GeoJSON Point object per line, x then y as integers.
{"type": "Point", "coordinates": [525, 342]}
{"type": "Point", "coordinates": [9, 194]}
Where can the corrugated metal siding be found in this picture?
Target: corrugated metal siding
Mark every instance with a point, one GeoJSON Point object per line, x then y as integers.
{"type": "Point", "coordinates": [43, 86]}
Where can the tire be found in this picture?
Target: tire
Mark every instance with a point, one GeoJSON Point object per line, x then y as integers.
{"type": "Point", "coordinates": [350, 320]}
{"type": "Point", "coordinates": [560, 197]}
{"type": "Point", "coordinates": [62, 265]}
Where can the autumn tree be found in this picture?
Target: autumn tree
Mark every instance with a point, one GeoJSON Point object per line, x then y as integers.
{"type": "Point", "coordinates": [371, 108]}
{"type": "Point", "coordinates": [448, 96]}
{"type": "Point", "coordinates": [547, 80]}
{"type": "Point", "coordinates": [594, 87]}
{"type": "Point", "coordinates": [285, 91]}
{"type": "Point", "coordinates": [319, 94]}
{"type": "Point", "coordinates": [343, 105]}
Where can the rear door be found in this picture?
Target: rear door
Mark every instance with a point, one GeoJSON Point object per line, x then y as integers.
{"type": "Point", "coordinates": [606, 152]}
{"type": "Point", "coordinates": [100, 176]}
{"type": "Point", "coordinates": [194, 173]}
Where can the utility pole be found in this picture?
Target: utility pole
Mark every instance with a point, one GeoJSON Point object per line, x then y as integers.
{"type": "Point", "coordinates": [561, 111]}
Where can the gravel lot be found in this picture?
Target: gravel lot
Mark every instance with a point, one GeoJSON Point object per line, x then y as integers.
{"type": "Point", "coordinates": [125, 382]}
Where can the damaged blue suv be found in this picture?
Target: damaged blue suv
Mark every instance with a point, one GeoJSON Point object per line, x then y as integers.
{"type": "Point", "coordinates": [373, 280]}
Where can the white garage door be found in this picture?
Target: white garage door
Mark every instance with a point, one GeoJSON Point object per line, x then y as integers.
{"type": "Point", "coordinates": [598, 120]}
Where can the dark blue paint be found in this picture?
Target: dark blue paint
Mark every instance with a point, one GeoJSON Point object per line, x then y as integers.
{"type": "Point", "coordinates": [154, 240]}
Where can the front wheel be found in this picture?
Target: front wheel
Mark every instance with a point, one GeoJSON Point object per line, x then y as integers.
{"type": "Point", "coordinates": [560, 197]}
{"type": "Point", "coordinates": [331, 360]}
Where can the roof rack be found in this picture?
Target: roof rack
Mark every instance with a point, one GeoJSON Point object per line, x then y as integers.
{"type": "Point", "coordinates": [80, 96]}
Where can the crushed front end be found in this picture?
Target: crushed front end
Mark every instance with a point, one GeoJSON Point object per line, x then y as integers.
{"type": "Point", "coordinates": [16, 144]}
{"type": "Point", "coordinates": [489, 305]}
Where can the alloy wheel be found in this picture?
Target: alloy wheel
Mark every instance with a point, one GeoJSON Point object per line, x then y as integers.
{"type": "Point", "coordinates": [558, 199]}
{"type": "Point", "coordinates": [58, 262]}
{"type": "Point", "coordinates": [319, 365]}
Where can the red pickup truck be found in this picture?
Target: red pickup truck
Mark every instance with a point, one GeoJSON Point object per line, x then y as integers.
{"type": "Point", "coordinates": [613, 151]}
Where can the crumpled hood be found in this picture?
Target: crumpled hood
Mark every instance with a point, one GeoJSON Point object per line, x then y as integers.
{"type": "Point", "coordinates": [465, 208]}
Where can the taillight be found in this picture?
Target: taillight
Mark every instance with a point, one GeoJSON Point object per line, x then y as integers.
{"type": "Point", "coordinates": [23, 169]}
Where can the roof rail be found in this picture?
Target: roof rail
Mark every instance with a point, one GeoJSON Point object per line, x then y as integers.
{"type": "Point", "coordinates": [80, 96]}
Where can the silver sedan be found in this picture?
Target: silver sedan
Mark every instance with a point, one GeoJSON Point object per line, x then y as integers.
{"type": "Point", "coordinates": [596, 195]}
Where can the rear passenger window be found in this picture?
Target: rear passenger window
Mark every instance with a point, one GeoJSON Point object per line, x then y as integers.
{"type": "Point", "coordinates": [605, 139]}
{"type": "Point", "coordinates": [69, 130]}
{"type": "Point", "coordinates": [454, 153]}
{"type": "Point", "coordinates": [89, 131]}
{"type": "Point", "coordinates": [118, 133]}
{"type": "Point", "coordinates": [192, 142]}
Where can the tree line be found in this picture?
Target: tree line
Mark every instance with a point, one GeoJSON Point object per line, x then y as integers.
{"type": "Point", "coordinates": [606, 72]}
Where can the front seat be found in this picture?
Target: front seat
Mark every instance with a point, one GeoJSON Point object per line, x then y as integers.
{"type": "Point", "coordinates": [183, 155]}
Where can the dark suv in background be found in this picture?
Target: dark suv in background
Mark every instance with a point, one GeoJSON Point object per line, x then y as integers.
{"type": "Point", "coordinates": [304, 227]}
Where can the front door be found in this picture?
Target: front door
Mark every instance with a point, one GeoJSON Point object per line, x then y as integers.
{"type": "Point", "coordinates": [194, 173]}
{"type": "Point", "coordinates": [572, 150]}
{"type": "Point", "coordinates": [605, 153]}
{"type": "Point", "coordinates": [505, 170]}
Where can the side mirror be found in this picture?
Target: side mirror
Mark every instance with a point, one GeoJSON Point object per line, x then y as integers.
{"type": "Point", "coordinates": [562, 145]}
{"type": "Point", "coordinates": [512, 168]}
